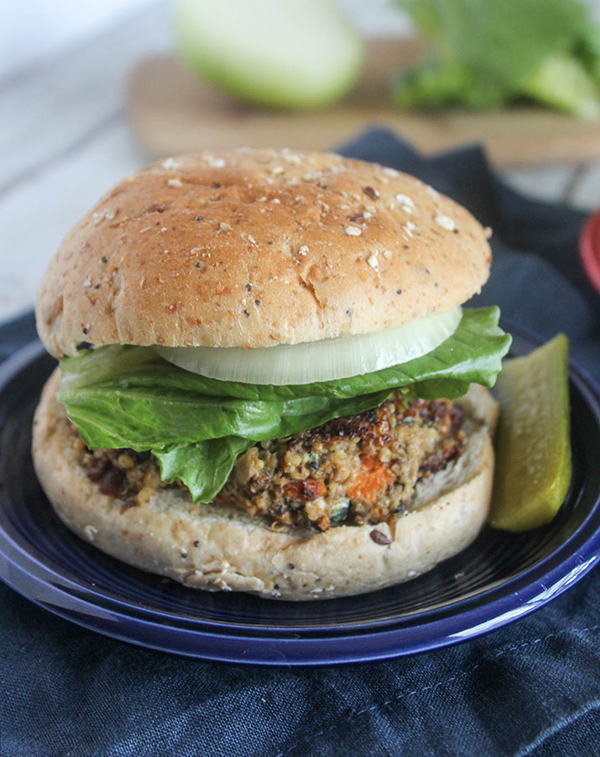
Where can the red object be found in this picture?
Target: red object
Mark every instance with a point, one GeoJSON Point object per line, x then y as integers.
{"type": "Point", "coordinates": [589, 246]}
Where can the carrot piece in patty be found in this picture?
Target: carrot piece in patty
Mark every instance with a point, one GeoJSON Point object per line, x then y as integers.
{"type": "Point", "coordinates": [372, 479]}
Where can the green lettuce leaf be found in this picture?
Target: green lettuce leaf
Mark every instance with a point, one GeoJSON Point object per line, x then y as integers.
{"type": "Point", "coordinates": [153, 418]}
{"type": "Point", "coordinates": [130, 397]}
{"type": "Point", "coordinates": [203, 467]}
{"type": "Point", "coordinates": [488, 52]}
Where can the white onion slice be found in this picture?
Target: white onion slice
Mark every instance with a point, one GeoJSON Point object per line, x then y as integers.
{"type": "Point", "coordinates": [324, 360]}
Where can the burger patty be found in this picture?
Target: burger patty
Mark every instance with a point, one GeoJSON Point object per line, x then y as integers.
{"type": "Point", "coordinates": [349, 471]}
{"type": "Point", "coordinates": [354, 470]}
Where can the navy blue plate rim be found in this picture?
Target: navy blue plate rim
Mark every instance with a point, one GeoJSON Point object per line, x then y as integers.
{"type": "Point", "coordinates": [472, 615]}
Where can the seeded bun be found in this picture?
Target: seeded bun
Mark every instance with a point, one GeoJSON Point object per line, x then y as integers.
{"type": "Point", "coordinates": [220, 547]}
{"type": "Point", "coordinates": [257, 248]}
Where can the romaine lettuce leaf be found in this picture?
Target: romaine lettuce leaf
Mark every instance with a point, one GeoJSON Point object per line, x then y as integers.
{"type": "Point", "coordinates": [203, 467]}
{"type": "Point", "coordinates": [122, 396]}
{"type": "Point", "coordinates": [484, 53]}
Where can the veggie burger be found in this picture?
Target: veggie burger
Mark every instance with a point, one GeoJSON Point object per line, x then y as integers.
{"type": "Point", "coordinates": [267, 382]}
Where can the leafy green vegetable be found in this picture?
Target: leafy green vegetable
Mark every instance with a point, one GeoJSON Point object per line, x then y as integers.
{"type": "Point", "coordinates": [130, 397]}
{"type": "Point", "coordinates": [486, 53]}
{"type": "Point", "coordinates": [205, 466]}
{"type": "Point", "coordinates": [116, 415]}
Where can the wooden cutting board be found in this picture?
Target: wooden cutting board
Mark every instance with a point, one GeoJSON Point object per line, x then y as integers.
{"type": "Point", "coordinates": [172, 112]}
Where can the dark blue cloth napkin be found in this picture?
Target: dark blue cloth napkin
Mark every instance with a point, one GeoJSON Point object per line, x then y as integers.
{"type": "Point", "coordinates": [532, 688]}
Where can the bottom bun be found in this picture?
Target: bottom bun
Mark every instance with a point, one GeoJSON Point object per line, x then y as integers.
{"type": "Point", "coordinates": [217, 547]}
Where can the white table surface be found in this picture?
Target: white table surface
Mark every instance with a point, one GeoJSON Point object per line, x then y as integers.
{"type": "Point", "coordinates": [64, 140]}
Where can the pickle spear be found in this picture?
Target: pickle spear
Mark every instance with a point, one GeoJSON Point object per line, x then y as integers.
{"type": "Point", "coordinates": [533, 452]}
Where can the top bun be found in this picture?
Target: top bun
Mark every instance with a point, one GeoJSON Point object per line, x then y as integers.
{"type": "Point", "coordinates": [254, 248]}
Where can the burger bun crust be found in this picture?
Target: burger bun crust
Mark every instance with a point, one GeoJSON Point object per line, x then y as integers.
{"type": "Point", "coordinates": [254, 248]}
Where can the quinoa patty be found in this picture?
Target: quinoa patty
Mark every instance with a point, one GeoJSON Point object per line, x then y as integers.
{"type": "Point", "coordinates": [354, 470]}
{"type": "Point", "coordinates": [351, 471]}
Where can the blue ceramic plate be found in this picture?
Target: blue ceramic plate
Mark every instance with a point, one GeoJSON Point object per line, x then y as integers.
{"type": "Point", "coordinates": [499, 578]}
